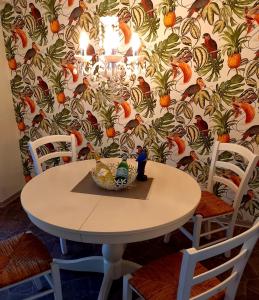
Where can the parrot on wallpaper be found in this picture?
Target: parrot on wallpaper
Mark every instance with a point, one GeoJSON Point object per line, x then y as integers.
{"type": "Point", "coordinates": [144, 87]}
{"type": "Point", "coordinates": [177, 139]}
{"type": "Point", "coordinates": [31, 52]}
{"type": "Point", "coordinates": [43, 86]}
{"type": "Point", "coordinates": [181, 62]}
{"type": "Point", "coordinates": [92, 119]}
{"type": "Point", "coordinates": [186, 160]}
{"type": "Point", "coordinates": [250, 132]}
{"type": "Point", "coordinates": [251, 15]}
{"type": "Point", "coordinates": [17, 30]}
{"type": "Point", "coordinates": [201, 125]}
{"type": "Point", "coordinates": [70, 2]}
{"type": "Point", "coordinates": [210, 45]}
{"type": "Point", "coordinates": [193, 89]}
{"type": "Point", "coordinates": [35, 13]}
{"type": "Point", "coordinates": [148, 7]}
{"type": "Point", "coordinates": [132, 124]}
{"type": "Point", "coordinates": [196, 6]}
{"type": "Point", "coordinates": [85, 151]}
{"type": "Point", "coordinates": [82, 87]}
{"type": "Point", "coordinates": [68, 63]}
{"type": "Point", "coordinates": [76, 12]}
{"type": "Point", "coordinates": [38, 118]}
{"type": "Point", "coordinates": [243, 102]}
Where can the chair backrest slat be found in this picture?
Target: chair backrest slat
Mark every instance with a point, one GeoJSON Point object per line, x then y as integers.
{"type": "Point", "coordinates": [229, 166]}
{"type": "Point", "coordinates": [237, 263]}
{"type": "Point", "coordinates": [244, 175]}
{"type": "Point", "coordinates": [34, 145]}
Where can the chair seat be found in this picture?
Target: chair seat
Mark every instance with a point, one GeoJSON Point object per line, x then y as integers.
{"type": "Point", "coordinates": [159, 279]}
{"type": "Point", "coordinates": [21, 257]}
{"type": "Point", "coordinates": [211, 205]}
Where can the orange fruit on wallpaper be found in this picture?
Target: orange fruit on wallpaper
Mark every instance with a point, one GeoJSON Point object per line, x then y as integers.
{"type": "Point", "coordinates": [165, 100]}
{"type": "Point", "coordinates": [21, 126]}
{"type": "Point", "coordinates": [61, 98]}
{"type": "Point", "coordinates": [55, 26]}
{"type": "Point", "coordinates": [224, 138]}
{"type": "Point", "coordinates": [169, 19]}
{"type": "Point", "coordinates": [70, 2]}
{"type": "Point", "coordinates": [126, 32]}
{"type": "Point", "coordinates": [234, 60]}
{"type": "Point", "coordinates": [12, 63]}
{"type": "Point", "coordinates": [110, 132]}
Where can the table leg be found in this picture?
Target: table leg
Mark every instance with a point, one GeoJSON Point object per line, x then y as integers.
{"type": "Point", "coordinates": [114, 267]}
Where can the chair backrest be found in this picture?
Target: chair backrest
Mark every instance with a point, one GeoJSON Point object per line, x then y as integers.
{"type": "Point", "coordinates": [228, 166]}
{"type": "Point", "coordinates": [237, 263]}
{"type": "Point", "coordinates": [38, 160]}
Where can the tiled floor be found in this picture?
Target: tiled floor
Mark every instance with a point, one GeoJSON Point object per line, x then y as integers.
{"type": "Point", "coordinates": [79, 286]}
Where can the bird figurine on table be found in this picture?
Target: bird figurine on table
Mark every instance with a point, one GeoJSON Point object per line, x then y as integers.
{"type": "Point", "coordinates": [29, 55]}
{"type": "Point", "coordinates": [82, 87]}
{"type": "Point", "coordinates": [132, 124]}
{"type": "Point", "coordinates": [186, 160]}
{"type": "Point", "coordinates": [210, 45]}
{"type": "Point", "coordinates": [77, 12]}
{"type": "Point", "coordinates": [197, 6]}
{"type": "Point", "coordinates": [193, 89]}
{"type": "Point", "coordinates": [92, 119]}
{"type": "Point", "coordinates": [142, 160]}
{"type": "Point", "coordinates": [201, 125]}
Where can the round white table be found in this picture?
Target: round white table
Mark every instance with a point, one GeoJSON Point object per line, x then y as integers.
{"type": "Point", "coordinates": [112, 221]}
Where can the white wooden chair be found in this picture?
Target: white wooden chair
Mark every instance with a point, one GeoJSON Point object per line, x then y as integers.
{"type": "Point", "coordinates": [212, 208]}
{"type": "Point", "coordinates": [24, 258]}
{"type": "Point", "coordinates": [181, 276]}
{"type": "Point", "coordinates": [39, 160]}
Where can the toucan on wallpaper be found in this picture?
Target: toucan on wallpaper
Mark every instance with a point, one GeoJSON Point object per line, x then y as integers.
{"type": "Point", "coordinates": [198, 81]}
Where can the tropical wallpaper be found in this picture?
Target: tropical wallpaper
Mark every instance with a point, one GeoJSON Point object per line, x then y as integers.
{"type": "Point", "coordinates": [197, 81]}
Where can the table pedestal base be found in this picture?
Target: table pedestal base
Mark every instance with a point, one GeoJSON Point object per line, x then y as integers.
{"type": "Point", "coordinates": [111, 264]}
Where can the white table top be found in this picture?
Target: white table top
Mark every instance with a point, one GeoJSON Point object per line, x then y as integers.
{"type": "Point", "coordinates": [50, 204]}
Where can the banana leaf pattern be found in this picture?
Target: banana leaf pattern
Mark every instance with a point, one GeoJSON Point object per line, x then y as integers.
{"type": "Point", "coordinates": [200, 82]}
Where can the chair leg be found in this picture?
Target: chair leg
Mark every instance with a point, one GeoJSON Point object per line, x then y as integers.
{"type": "Point", "coordinates": [197, 231]}
{"type": "Point", "coordinates": [57, 287]}
{"type": "Point", "coordinates": [37, 282]}
{"type": "Point", "coordinates": [127, 291]}
{"type": "Point", "coordinates": [229, 233]}
{"type": "Point", "coordinates": [63, 245]}
{"type": "Point", "coordinates": [167, 238]}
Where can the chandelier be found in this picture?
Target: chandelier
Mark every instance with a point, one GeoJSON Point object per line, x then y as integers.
{"type": "Point", "coordinates": [114, 62]}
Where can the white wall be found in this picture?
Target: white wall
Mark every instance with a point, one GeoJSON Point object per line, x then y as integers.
{"type": "Point", "coordinates": [11, 177]}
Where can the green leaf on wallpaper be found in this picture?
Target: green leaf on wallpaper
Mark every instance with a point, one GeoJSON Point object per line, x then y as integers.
{"type": "Point", "coordinates": [219, 26]}
{"type": "Point", "coordinates": [62, 119]}
{"type": "Point", "coordinates": [163, 125]}
{"type": "Point", "coordinates": [23, 142]}
{"type": "Point", "coordinates": [192, 133]}
{"type": "Point", "coordinates": [85, 21]}
{"type": "Point", "coordinates": [209, 110]}
{"type": "Point", "coordinates": [16, 85]}
{"type": "Point", "coordinates": [22, 3]}
{"type": "Point", "coordinates": [200, 57]}
{"type": "Point", "coordinates": [30, 24]}
{"type": "Point", "coordinates": [238, 6]}
{"type": "Point", "coordinates": [113, 150]}
{"type": "Point", "coordinates": [7, 17]}
{"type": "Point", "coordinates": [56, 51]}
{"type": "Point", "coordinates": [200, 98]}
{"type": "Point", "coordinates": [251, 82]}
{"type": "Point", "coordinates": [138, 16]}
{"type": "Point", "coordinates": [107, 7]}
{"type": "Point", "coordinates": [194, 167]}
{"type": "Point", "coordinates": [27, 71]}
{"type": "Point", "coordinates": [186, 40]}
{"type": "Point", "coordinates": [165, 49]}
{"type": "Point", "coordinates": [252, 68]}
{"type": "Point", "coordinates": [160, 152]}
{"type": "Point", "coordinates": [38, 61]}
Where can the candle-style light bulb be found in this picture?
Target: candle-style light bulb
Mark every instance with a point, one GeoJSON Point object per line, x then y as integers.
{"type": "Point", "coordinates": [83, 42]}
{"type": "Point", "coordinates": [135, 43]}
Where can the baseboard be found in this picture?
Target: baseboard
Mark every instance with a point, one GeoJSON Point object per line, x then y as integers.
{"type": "Point", "coordinates": [11, 199]}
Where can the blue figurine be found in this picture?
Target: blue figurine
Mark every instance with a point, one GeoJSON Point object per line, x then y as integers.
{"type": "Point", "coordinates": [142, 160]}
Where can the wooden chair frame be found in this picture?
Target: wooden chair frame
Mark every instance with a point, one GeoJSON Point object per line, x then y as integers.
{"type": "Point", "coordinates": [37, 161]}
{"type": "Point", "coordinates": [191, 256]}
{"type": "Point", "coordinates": [239, 192]}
